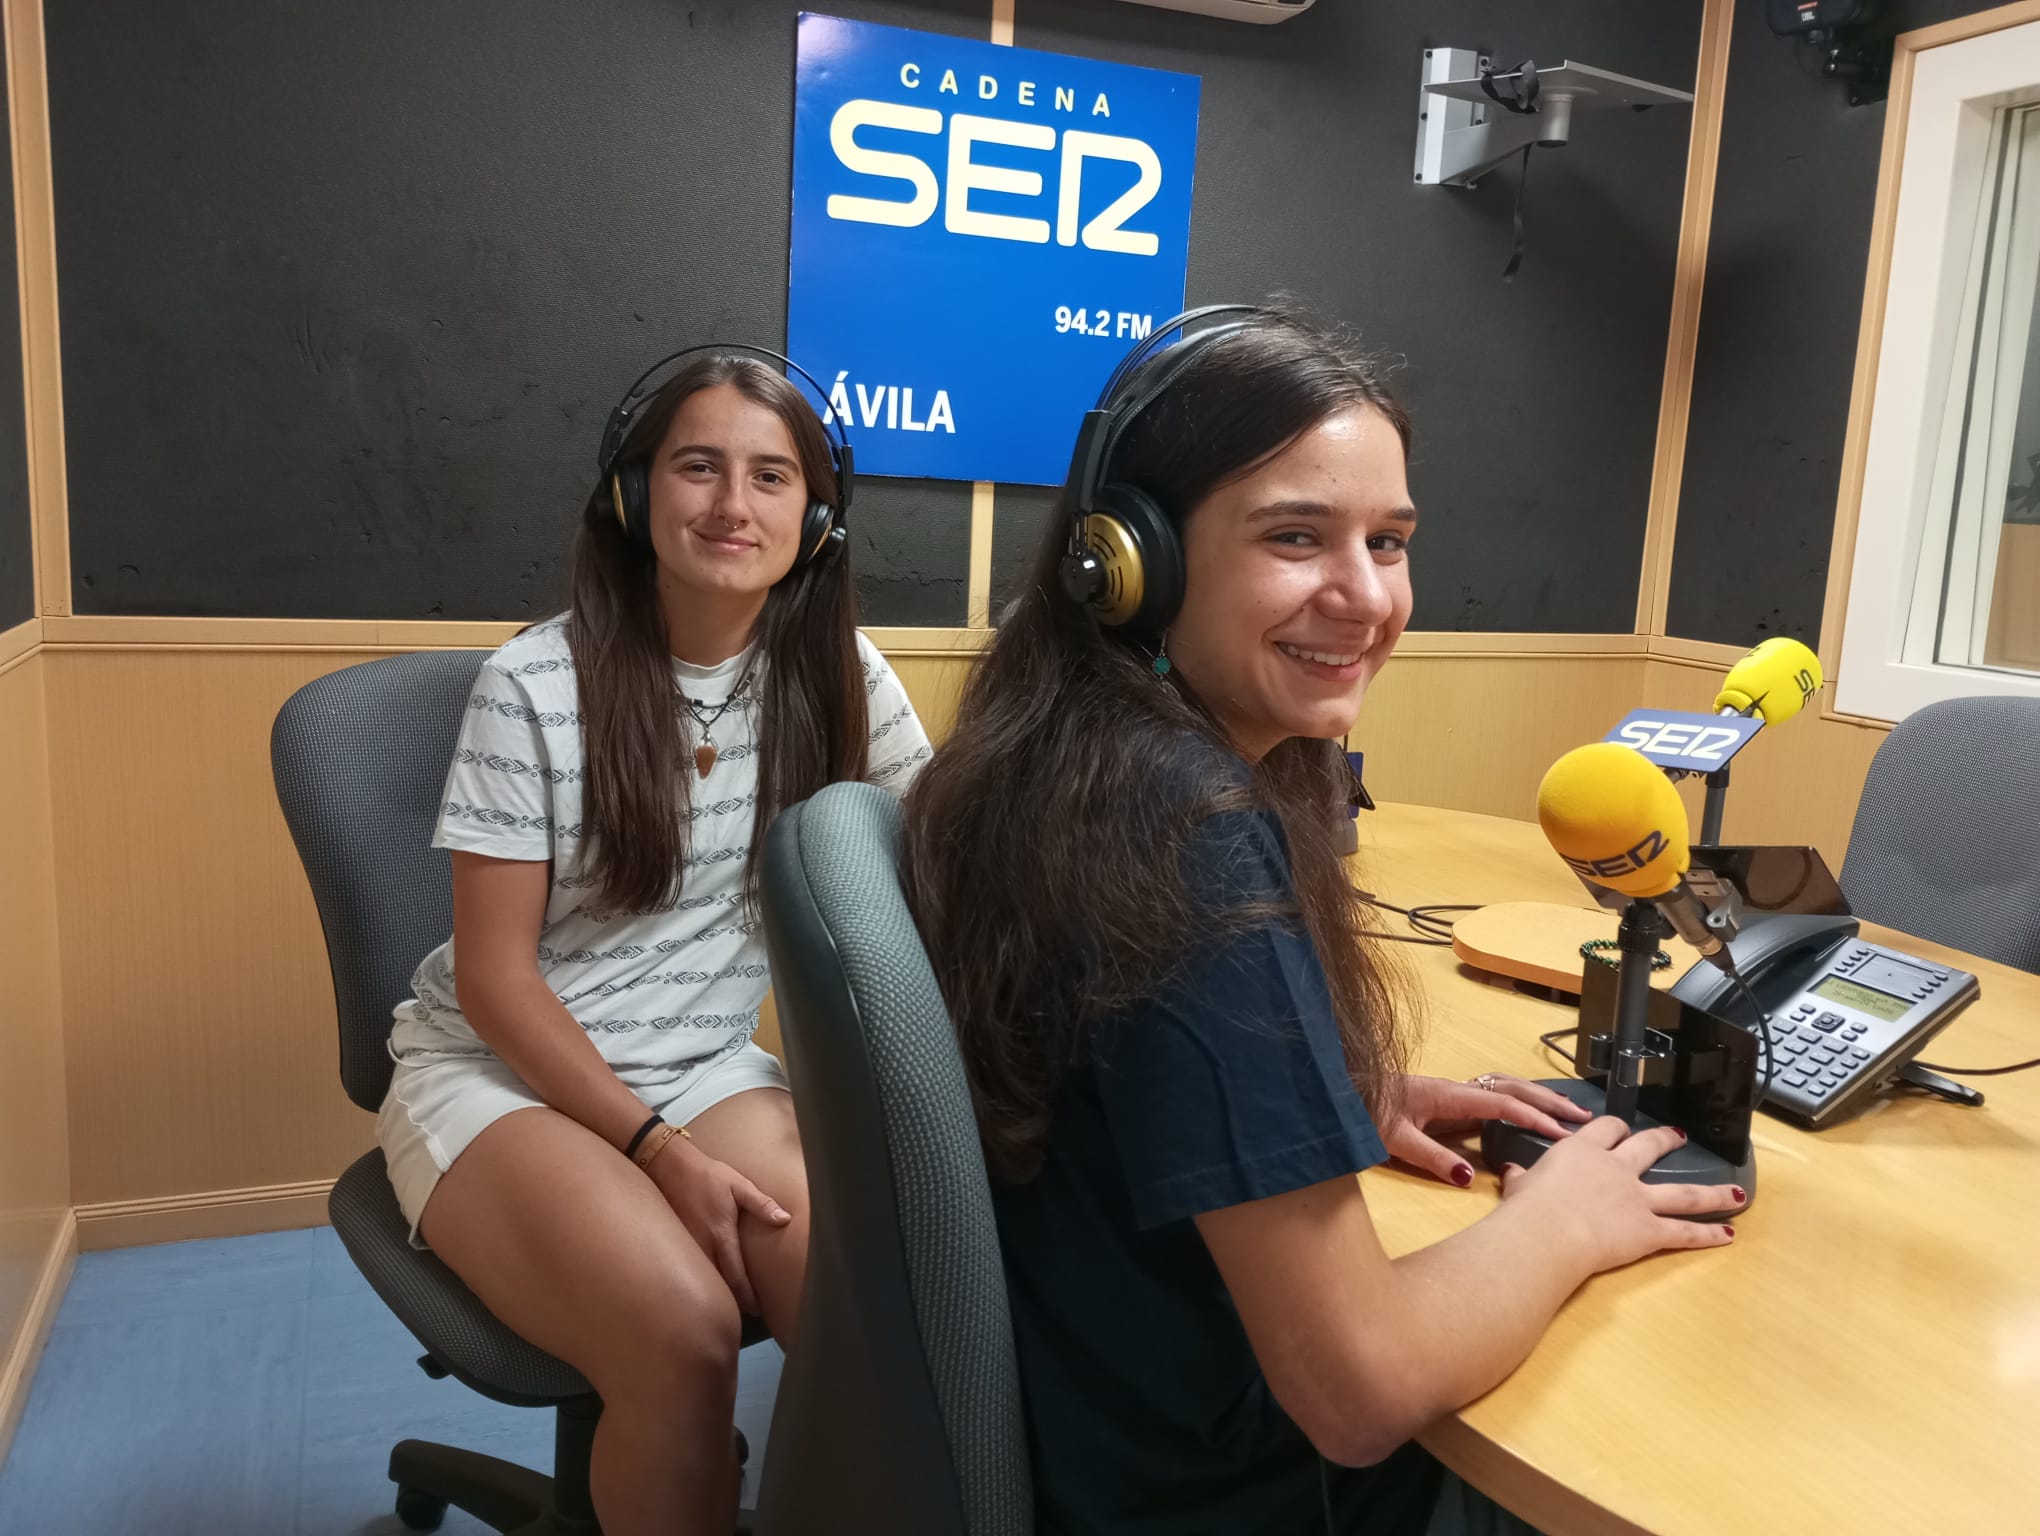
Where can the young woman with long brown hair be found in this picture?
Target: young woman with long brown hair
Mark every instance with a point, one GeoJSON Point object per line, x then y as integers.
{"type": "Point", "coordinates": [580, 1124]}
{"type": "Point", "coordinates": [1180, 1042]}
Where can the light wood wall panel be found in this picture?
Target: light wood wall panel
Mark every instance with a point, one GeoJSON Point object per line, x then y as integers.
{"type": "Point", "coordinates": [199, 1026]}
{"type": "Point", "coordinates": [35, 1198]}
{"type": "Point", "coordinates": [197, 1003]}
{"type": "Point", "coordinates": [199, 1013]}
{"type": "Point", "coordinates": [1476, 733]}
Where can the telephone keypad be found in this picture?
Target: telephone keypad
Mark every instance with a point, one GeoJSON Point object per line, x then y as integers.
{"type": "Point", "coordinates": [1826, 1048]}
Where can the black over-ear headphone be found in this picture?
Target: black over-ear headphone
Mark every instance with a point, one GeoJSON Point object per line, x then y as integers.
{"type": "Point", "coordinates": [821, 527]}
{"type": "Point", "coordinates": [1126, 559]}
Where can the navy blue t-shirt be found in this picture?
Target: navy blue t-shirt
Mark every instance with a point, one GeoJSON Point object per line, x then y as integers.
{"type": "Point", "coordinates": [1147, 1412]}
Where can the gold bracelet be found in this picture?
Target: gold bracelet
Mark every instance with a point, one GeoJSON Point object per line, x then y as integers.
{"type": "Point", "coordinates": [656, 1143]}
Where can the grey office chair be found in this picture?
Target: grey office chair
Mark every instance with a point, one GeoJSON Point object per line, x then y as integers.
{"type": "Point", "coordinates": [1943, 841]}
{"type": "Point", "coordinates": [899, 1404]}
{"type": "Point", "coordinates": [360, 758]}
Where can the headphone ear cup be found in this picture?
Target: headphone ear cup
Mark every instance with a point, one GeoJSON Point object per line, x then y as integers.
{"type": "Point", "coordinates": [1144, 573]}
{"type": "Point", "coordinates": [818, 533]}
{"type": "Point", "coordinates": [632, 499]}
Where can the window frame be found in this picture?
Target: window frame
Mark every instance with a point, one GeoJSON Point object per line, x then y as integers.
{"type": "Point", "coordinates": [1946, 83]}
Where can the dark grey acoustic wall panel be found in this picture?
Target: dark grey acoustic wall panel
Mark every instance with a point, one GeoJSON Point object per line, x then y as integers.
{"type": "Point", "coordinates": [348, 289]}
{"type": "Point", "coordinates": [1020, 515]}
{"type": "Point", "coordinates": [1536, 401]}
{"type": "Point", "coordinates": [1793, 197]}
{"type": "Point", "coordinates": [17, 549]}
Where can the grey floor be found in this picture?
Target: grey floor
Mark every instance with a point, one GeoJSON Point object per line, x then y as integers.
{"type": "Point", "coordinates": [250, 1386]}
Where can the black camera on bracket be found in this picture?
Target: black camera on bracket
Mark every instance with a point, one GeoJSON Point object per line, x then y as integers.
{"type": "Point", "coordinates": [1816, 20]}
{"type": "Point", "coordinates": [1841, 29]}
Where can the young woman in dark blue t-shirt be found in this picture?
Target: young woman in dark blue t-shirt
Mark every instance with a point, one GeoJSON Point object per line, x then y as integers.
{"type": "Point", "coordinates": [1180, 1045]}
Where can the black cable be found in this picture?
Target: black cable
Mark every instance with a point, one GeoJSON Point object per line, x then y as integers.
{"type": "Point", "coordinates": [1521, 98]}
{"type": "Point", "coordinates": [1550, 1041]}
{"type": "Point", "coordinates": [1516, 247]}
{"type": "Point", "coordinates": [1425, 920]}
{"type": "Point", "coordinates": [1763, 1023]}
{"type": "Point", "coordinates": [1426, 910]}
{"type": "Point", "coordinates": [2017, 1066]}
{"type": "Point", "coordinates": [1429, 929]}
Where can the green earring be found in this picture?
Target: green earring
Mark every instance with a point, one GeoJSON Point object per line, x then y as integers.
{"type": "Point", "coordinates": [1162, 657]}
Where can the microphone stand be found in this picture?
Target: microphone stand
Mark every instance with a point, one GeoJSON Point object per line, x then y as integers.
{"type": "Point", "coordinates": [1634, 1057]}
{"type": "Point", "coordinates": [1710, 809]}
{"type": "Point", "coordinates": [1717, 790]}
{"type": "Point", "coordinates": [1636, 940]}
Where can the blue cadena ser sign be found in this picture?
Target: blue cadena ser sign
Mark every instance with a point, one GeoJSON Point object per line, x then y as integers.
{"type": "Point", "coordinates": [979, 234]}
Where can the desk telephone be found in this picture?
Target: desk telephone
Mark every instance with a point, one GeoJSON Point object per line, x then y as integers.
{"type": "Point", "coordinates": [1847, 1015]}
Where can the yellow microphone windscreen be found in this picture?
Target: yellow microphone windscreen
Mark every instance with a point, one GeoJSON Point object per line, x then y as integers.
{"type": "Point", "coordinates": [1614, 817]}
{"type": "Point", "coordinates": [1773, 682]}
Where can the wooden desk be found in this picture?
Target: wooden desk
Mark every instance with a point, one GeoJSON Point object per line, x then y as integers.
{"type": "Point", "coordinates": [1866, 1356]}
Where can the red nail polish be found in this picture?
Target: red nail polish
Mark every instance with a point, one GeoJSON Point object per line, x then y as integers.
{"type": "Point", "coordinates": [1737, 1191]}
{"type": "Point", "coordinates": [1463, 1175]}
{"type": "Point", "coordinates": [1681, 1134]}
{"type": "Point", "coordinates": [1728, 1229]}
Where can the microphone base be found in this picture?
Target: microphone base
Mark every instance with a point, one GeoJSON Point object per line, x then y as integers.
{"type": "Point", "coordinates": [1692, 1163]}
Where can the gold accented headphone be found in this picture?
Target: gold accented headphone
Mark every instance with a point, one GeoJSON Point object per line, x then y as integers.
{"type": "Point", "coordinates": [1125, 561]}
{"type": "Point", "coordinates": [822, 526]}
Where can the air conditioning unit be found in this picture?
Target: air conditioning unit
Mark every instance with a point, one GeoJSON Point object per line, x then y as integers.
{"type": "Point", "coordinates": [1261, 12]}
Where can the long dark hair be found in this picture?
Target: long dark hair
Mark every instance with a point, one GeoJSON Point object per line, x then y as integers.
{"type": "Point", "coordinates": [639, 738]}
{"type": "Point", "coordinates": [1044, 852]}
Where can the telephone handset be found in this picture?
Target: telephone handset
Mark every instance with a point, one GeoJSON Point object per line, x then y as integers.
{"type": "Point", "coordinates": [1847, 1015]}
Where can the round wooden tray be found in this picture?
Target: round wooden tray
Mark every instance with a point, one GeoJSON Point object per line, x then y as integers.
{"type": "Point", "coordinates": [1539, 941]}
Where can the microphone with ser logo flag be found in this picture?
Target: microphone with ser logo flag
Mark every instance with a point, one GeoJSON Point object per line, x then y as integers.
{"type": "Point", "coordinates": [1620, 826]}
{"type": "Point", "coordinates": [1772, 684]}
{"type": "Point", "coordinates": [1615, 819]}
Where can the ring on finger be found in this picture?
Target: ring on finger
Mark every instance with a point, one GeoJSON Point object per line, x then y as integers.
{"type": "Point", "coordinates": [1486, 1080]}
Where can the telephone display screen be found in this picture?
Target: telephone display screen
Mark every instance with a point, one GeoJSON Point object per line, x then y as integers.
{"type": "Point", "coordinates": [1889, 975]}
{"type": "Point", "coordinates": [1853, 994]}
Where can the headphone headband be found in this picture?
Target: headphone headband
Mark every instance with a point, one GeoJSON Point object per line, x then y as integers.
{"type": "Point", "coordinates": [619, 418]}
{"type": "Point", "coordinates": [1108, 422]}
{"type": "Point", "coordinates": [1146, 347]}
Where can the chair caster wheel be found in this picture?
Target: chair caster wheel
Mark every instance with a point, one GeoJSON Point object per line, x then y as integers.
{"type": "Point", "coordinates": [418, 1510]}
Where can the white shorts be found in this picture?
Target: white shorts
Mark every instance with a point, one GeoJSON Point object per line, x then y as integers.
{"type": "Point", "coordinates": [433, 1111]}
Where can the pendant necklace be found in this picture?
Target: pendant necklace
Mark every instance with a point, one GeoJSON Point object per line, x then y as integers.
{"type": "Point", "coordinates": [705, 753]}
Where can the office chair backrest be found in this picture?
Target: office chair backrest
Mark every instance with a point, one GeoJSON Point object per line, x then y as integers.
{"type": "Point", "coordinates": [899, 1407]}
{"type": "Point", "coordinates": [1944, 844]}
{"type": "Point", "coordinates": [360, 760]}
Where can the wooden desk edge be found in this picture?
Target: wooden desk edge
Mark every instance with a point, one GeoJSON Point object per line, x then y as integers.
{"type": "Point", "coordinates": [1525, 1492]}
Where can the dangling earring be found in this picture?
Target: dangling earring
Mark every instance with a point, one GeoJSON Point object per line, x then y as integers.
{"type": "Point", "coordinates": [1162, 656]}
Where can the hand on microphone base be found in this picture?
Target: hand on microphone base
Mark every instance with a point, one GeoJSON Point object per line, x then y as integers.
{"type": "Point", "coordinates": [1435, 1106]}
{"type": "Point", "coordinates": [1690, 1163]}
